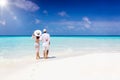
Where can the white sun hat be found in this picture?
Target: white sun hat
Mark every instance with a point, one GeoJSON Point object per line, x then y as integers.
{"type": "Point", "coordinates": [37, 32]}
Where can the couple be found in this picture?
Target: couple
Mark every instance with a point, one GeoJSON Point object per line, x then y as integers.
{"type": "Point", "coordinates": [45, 38]}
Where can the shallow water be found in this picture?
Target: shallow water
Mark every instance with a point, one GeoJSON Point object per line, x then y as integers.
{"type": "Point", "coordinates": [21, 46]}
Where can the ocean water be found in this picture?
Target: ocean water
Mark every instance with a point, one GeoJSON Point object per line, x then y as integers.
{"type": "Point", "coordinates": [61, 46]}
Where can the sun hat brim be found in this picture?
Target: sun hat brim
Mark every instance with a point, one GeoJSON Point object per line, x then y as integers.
{"type": "Point", "coordinates": [37, 33]}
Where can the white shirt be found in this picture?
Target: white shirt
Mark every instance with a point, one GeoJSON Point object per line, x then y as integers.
{"type": "Point", "coordinates": [45, 38]}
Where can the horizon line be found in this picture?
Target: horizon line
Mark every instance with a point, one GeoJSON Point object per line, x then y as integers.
{"type": "Point", "coordinates": [63, 35]}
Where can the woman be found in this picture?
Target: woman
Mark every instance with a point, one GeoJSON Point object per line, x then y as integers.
{"type": "Point", "coordinates": [36, 35]}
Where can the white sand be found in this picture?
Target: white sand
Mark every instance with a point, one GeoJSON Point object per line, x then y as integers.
{"type": "Point", "coordinates": [84, 67]}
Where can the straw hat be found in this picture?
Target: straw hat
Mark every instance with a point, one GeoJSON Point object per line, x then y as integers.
{"type": "Point", "coordinates": [37, 33]}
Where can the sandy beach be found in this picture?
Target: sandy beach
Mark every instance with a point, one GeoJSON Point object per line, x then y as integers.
{"type": "Point", "coordinates": [85, 67]}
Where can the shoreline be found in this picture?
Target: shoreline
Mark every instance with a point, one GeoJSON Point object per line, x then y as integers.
{"type": "Point", "coordinates": [63, 35]}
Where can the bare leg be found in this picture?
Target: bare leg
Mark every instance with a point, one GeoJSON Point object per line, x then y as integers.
{"type": "Point", "coordinates": [45, 54]}
{"type": "Point", "coordinates": [37, 52]}
{"type": "Point", "coordinates": [37, 56]}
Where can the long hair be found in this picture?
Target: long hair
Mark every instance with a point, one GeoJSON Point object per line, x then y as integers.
{"type": "Point", "coordinates": [37, 37]}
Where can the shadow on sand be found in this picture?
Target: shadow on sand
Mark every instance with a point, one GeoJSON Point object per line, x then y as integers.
{"type": "Point", "coordinates": [50, 57]}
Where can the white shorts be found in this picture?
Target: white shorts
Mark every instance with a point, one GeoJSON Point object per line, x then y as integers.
{"type": "Point", "coordinates": [45, 46]}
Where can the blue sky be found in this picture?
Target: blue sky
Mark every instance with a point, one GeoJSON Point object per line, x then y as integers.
{"type": "Point", "coordinates": [60, 17]}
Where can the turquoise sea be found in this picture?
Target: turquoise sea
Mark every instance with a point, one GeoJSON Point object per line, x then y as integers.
{"type": "Point", "coordinates": [21, 46]}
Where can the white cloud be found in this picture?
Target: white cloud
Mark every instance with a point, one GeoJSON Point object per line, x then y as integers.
{"type": "Point", "coordinates": [62, 14]}
{"type": "Point", "coordinates": [26, 5]}
{"type": "Point", "coordinates": [45, 12]}
{"type": "Point", "coordinates": [71, 27]}
{"type": "Point", "coordinates": [67, 23]}
{"type": "Point", "coordinates": [86, 25]}
{"type": "Point", "coordinates": [106, 24]}
{"type": "Point", "coordinates": [37, 21]}
{"type": "Point", "coordinates": [2, 22]}
{"type": "Point", "coordinates": [15, 17]}
{"type": "Point", "coordinates": [86, 22]}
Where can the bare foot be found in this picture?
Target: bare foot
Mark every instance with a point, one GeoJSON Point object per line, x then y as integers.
{"type": "Point", "coordinates": [38, 58]}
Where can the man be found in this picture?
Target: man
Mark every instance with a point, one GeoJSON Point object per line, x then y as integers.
{"type": "Point", "coordinates": [45, 43]}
